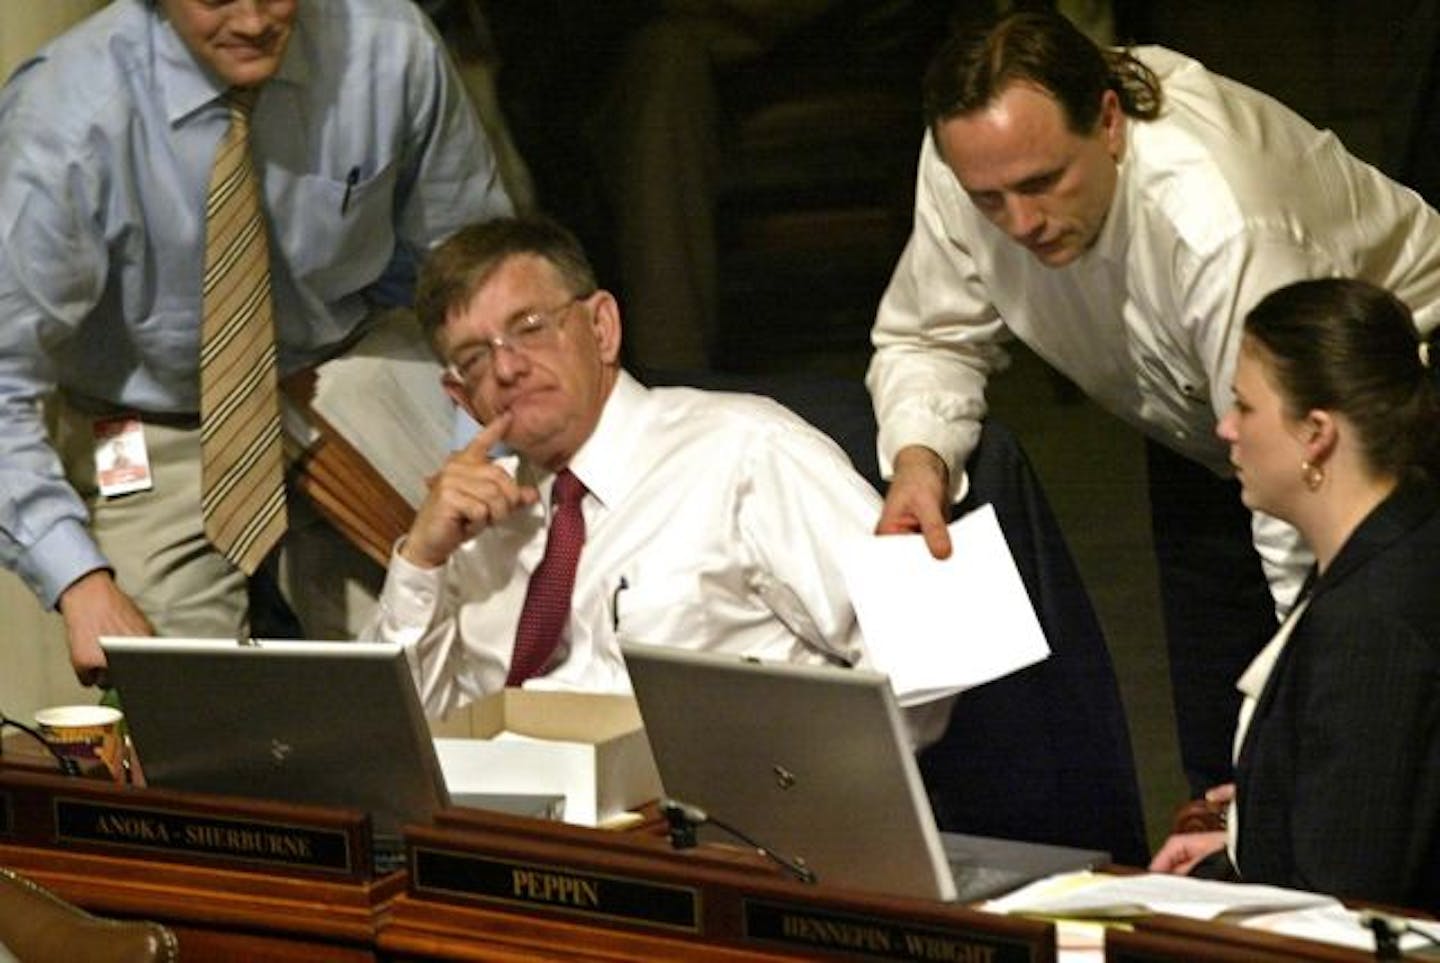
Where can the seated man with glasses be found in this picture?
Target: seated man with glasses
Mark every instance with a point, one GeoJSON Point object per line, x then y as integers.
{"type": "Point", "coordinates": [706, 519]}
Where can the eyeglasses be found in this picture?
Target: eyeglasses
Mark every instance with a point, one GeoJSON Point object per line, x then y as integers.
{"type": "Point", "coordinates": [525, 335]}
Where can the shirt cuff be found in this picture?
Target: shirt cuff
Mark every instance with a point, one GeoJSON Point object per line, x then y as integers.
{"type": "Point", "coordinates": [941, 439]}
{"type": "Point", "coordinates": [411, 593]}
{"type": "Point", "coordinates": [58, 558]}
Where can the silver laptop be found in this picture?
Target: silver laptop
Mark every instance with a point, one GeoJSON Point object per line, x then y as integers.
{"type": "Point", "coordinates": [330, 723]}
{"type": "Point", "coordinates": [813, 763]}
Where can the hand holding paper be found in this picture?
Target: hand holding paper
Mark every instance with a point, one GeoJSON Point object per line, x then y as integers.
{"type": "Point", "coordinates": [937, 627]}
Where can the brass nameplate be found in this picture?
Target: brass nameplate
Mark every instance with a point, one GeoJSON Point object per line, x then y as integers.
{"type": "Point", "coordinates": [519, 883]}
{"type": "Point", "coordinates": [797, 926]}
{"type": "Point", "coordinates": [164, 829]}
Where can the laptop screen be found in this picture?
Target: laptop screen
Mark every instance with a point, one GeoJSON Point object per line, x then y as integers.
{"type": "Point", "coordinates": [810, 762]}
{"type": "Point", "coordinates": [329, 723]}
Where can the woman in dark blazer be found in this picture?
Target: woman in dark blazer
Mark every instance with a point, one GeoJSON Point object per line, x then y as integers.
{"type": "Point", "coordinates": [1336, 429]}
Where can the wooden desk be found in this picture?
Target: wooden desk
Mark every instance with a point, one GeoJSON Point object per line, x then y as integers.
{"type": "Point", "coordinates": [107, 849]}
{"type": "Point", "coordinates": [532, 890]}
{"type": "Point", "coordinates": [738, 909]}
{"type": "Point", "coordinates": [1171, 939]}
{"type": "Point", "coordinates": [19, 750]}
{"type": "Point", "coordinates": [485, 886]}
{"type": "Point", "coordinates": [221, 915]}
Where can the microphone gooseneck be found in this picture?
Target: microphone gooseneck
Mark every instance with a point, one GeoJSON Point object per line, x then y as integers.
{"type": "Point", "coordinates": [67, 765]}
{"type": "Point", "coordinates": [684, 818]}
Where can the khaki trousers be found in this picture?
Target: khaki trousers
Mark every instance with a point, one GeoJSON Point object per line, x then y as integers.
{"type": "Point", "coordinates": [156, 543]}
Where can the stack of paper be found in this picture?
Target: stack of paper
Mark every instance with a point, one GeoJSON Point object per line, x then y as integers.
{"type": "Point", "coordinates": [365, 432]}
{"type": "Point", "coordinates": [1098, 896]}
{"type": "Point", "coordinates": [384, 397]}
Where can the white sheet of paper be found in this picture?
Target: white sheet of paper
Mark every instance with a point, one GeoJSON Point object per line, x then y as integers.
{"type": "Point", "coordinates": [384, 397]}
{"type": "Point", "coordinates": [940, 627]}
{"type": "Point", "coordinates": [1338, 926]}
{"type": "Point", "coordinates": [1096, 895]}
{"type": "Point", "coordinates": [522, 765]}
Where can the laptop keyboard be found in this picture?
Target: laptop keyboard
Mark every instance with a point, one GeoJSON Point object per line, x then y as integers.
{"type": "Point", "coordinates": [985, 867]}
{"type": "Point", "coordinates": [983, 882]}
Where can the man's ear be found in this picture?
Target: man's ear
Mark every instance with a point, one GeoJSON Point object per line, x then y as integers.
{"type": "Point", "coordinates": [1112, 123]}
{"type": "Point", "coordinates": [605, 321]}
{"type": "Point", "coordinates": [455, 389]}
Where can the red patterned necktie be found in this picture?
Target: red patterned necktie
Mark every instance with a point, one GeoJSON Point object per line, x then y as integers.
{"type": "Point", "coordinates": [547, 600]}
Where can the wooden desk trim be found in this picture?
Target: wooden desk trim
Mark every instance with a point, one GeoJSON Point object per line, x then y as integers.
{"type": "Point", "coordinates": [1174, 939]}
{"type": "Point", "coordinates": [432, 923]}
{"type": "Point", "coordinates": [345, 912]}
{"type": "Point", "coordinates": [422, 929]}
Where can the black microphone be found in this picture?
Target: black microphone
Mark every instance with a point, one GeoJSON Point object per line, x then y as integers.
{"type": "Point", "coordinates": [67, 765]}
{"type": "Point", "coordinates": [1387, 933]}
{"type": "Point", "coordinates": [1388, 929]}
{"type": "Point", "coordinates": [685, 818]}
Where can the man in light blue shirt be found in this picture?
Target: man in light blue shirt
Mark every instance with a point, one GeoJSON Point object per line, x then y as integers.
{"type": "Point", "coordinates": [368, 154]}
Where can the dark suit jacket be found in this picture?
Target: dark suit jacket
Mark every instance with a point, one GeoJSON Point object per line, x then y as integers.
{"type": "Point", "coordinates": [1338, 780]}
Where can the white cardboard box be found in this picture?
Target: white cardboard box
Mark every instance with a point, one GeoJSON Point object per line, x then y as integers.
{"type": "Point", "coordinates": [589, 747]}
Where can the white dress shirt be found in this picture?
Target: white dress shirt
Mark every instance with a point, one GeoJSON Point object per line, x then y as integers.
{"type": "Point", "coordinates": [1252, 685]}
{"type": "Point", "coordinates": [1223, 198]}
{"type": "Point", "coordinates": [711, 523]}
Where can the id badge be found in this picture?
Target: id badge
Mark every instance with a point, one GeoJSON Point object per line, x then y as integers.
{"type": "Point", "coordinates": [122, 463]}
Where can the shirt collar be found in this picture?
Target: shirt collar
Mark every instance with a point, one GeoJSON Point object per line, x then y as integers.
{"type": "Point", "coordinates": [186, 86]}
{"type": "Point", "coordinates": [605, 463]}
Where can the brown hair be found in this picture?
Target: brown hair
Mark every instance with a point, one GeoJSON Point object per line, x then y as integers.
{"type": "Point", "coordinates": [459, 267]}
{"type": "Point", "coordinates": [1045, 49]}
{"type": "Point", "coordinates": [1350, 347]}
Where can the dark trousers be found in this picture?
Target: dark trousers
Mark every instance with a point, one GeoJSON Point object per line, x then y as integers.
{"type": "Point", "coordinates": [1042, 754]}
{"type": "Point", "coordinates": [1217, 605]}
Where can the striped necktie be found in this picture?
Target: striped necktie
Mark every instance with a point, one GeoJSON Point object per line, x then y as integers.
{"type": "Point", "coordinates": [547, 598]}
{"type": "Point", "coordinates": [242, 489]}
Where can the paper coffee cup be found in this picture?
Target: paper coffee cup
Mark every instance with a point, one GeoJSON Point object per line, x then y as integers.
{"type": "Point", "coordinates": [84, 733]}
